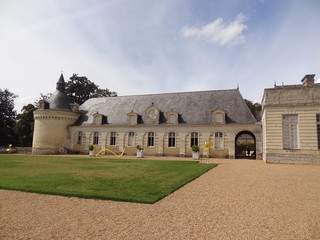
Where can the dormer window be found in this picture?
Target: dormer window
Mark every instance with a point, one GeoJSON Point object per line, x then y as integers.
{"type": "Point", "coordinates": [99, 119]}
{"type": "Point", "coordinates": [152, 114]}
{"type": "Point", "coordinates": [43, 104]}
{"type": "Point", "coordinates": [172, 117]}
{"type": "Point", "coordinates": [218, 117]}
{"type": "Point", "coordinates": [132, 118]}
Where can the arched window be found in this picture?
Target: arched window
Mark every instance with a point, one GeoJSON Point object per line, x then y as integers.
{"type": "Point", "coordinates": [218, 140]}
{"type": "Point", "coordinates": [95, 138]}
{"type": "Point", "coordinates": [131, 139]}
{"type": "Point", "coordinates": [79, 138]}
{"type": "Point", "coordinates": [172, 139]}
{"type": "Point", "coordinates": [113, 138]}
{"type": "Point", "coordinates": [150, 139]}
{"type": "Point", "coordinates": [194, 139]}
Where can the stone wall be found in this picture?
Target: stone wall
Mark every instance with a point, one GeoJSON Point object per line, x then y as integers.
{"type": "Point", "coordinates": [182, 133]}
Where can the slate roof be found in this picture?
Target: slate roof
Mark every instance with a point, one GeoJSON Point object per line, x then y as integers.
{"type": "Point", "coordinates": [193, 107]}
{"type": "Point", "coordinates": [59, 100]}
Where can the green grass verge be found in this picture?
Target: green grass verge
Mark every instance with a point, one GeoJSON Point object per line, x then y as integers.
{"type": "Point", "coordinates": [142, 181]}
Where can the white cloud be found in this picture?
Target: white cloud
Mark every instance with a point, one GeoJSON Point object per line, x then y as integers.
{"type": "Point", "coordinates": [219, 32]}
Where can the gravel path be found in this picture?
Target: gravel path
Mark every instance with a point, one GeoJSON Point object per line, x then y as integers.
{"type": "Point", "coordinates": [239, 199]}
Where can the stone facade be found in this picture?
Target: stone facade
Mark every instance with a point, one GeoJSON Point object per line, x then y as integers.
{"type": "Point", "coordinates": [290, 123]}
{"type": "Point", "coordinates": [182, 146]}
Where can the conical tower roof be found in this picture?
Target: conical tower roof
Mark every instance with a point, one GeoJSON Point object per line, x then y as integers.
{"type": "Point", "coordinates": [59, 100]}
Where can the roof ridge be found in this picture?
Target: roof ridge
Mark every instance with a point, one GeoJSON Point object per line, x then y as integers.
{"type": "Point", "coordinates": [171, 93]}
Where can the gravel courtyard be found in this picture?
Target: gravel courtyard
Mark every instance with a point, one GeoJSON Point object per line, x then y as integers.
{"type": "Point", "coordinates": [239, 199]}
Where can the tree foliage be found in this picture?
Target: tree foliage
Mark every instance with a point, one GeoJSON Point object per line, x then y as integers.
{"type": "Point", "coordinates": [7, 117]}
{"type": "Point", "coordinates": [24, 126]}
{"type": "Point", "coordinates": [80, 88]}
{"type": "Point", "coordinates": [255, 108]}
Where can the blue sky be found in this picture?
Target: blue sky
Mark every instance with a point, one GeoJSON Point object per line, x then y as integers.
{"type": "Point", "coordinates": [142, 46]}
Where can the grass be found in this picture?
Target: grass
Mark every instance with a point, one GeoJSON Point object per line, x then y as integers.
{"type": "Point", "coordinates": [142, 181]}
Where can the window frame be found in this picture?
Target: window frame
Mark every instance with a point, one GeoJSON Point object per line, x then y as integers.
{"type": "Point", "coordinates": [194, 139]}
{"type": "Point", "coordinates": [171, 140]}
{"type": "Point", "coordinates": [79, 138]}
{"type": "Point", "coordinates": [113, 138]}
{"type": "Point", "coordinates": [131, 136]}
{"type": "Point", "coordinates": [150, 140]}
{"type": "Point", "coordinates": [95, 138]}
{"type": "Point", "coordinates": [218, 140]}
{"type": "Point", "coordinates": [290, 139]}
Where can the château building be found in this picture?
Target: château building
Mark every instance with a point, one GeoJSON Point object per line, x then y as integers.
{"type": "Point", "coordinates": [169, 124]}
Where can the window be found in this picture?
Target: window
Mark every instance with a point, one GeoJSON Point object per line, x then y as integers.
{"type": "Point", "coordinates": [131, 139]}
{"type": "Point", "coordinates": [194, 139]}
{"type": "Point", "coordinates": [113, 136]}
{"type": "Point", "coordinates": [150, 139]}
{"type": "Point", "coordinates": [172, 139]}
{"type": "Point", "coordinates": [79, 139]}
{"type": "Point", "coordinates": [290, 136]}
{"type": "Point", "coordinates": [96, 138]}
{"type": "Point", "coordinates": [318, 130]}
{"type": "Point", "coordinates": [218, 140]}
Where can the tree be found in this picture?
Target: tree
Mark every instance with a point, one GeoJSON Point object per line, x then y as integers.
{"type": "Point", "coordinates": [7, 117]}
{"type": "Point", "coordinates": [255, 108]}
{"type": "Point", "coordinates": [24, 126]}
{"type": "Point", "coordinates": [80, 88]}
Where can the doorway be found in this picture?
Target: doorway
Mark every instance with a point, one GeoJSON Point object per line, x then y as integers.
{"type": "Point", "coordinates": [245, 145]}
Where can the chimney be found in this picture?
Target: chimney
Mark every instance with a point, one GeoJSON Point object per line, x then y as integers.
{"type": "Point", "coordinates": [308, 80]}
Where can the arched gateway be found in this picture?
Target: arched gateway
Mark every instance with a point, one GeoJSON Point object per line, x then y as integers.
{"type": "Point", "coordinates": [245, 145]}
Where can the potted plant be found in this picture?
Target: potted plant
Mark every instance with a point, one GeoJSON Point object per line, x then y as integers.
{"type": "Point", "coordinates": [139, 151]}
{"type": "Point", "coordinates": [195, 152]}
{"type": "Point", "coordinates": [91, 148]}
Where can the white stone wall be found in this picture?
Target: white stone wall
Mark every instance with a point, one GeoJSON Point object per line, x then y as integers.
{"type": "Point", "coordinates": [51, 131]}
{"type": "Point", "coordinates": [161, 148]}
{"type": "Point", "coordinates": [272, 122]}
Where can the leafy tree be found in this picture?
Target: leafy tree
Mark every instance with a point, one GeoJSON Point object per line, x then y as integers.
{"type": "Point", "coordinates": [255, 108]}
{"type": "Point", "coordinates": [7, 117]}
{"type": "Point", "coordinates": [80, 88]}
{"type": "Point", "coordinates": [24, 126]}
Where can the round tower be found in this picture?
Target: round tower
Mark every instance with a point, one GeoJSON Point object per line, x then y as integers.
{"type": "Point", "coordinates": [51, 122]}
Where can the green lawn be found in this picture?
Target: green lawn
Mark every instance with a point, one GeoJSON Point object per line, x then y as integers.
{"type": "Point", "coordinates": [143, 181]}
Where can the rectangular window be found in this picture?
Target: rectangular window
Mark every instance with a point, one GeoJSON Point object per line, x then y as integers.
{"type": "Point", "coordinates": [318, 130]}
{"type": "Point", "coordinates": [131, 139]}
{"type": "Point", "coordinates": [96, 138]}
{"type": "Point", "coordinates": [150, 139]}
{"type": "Point", "coordinates": [172, 139]}
{"type": "Point", "coordinates": [79, 141]}
{"type": "Point", "coordinates": [218, 140]}
{"type": "Point", "coordinates": [290, 132]}
{"type": "Point", "coordinates": [194, 139]}
{"type": "Point", "coordinates": [113, 138]}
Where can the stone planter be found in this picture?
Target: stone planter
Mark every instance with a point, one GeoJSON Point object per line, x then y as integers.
{"type": "Point", "coordinates": [140, 154]}
{"type": "Point", "coordinates": [195, 155]}
{"type": "Point", "coordinates": [91, 153]}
